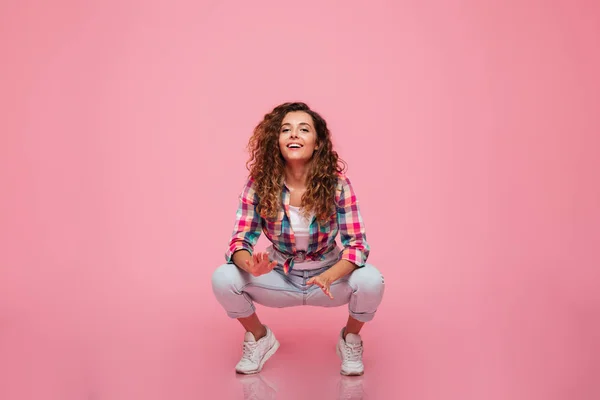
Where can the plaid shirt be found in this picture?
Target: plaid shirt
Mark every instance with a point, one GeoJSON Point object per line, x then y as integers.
{"type": "Point", "coordinates": [322, 238]}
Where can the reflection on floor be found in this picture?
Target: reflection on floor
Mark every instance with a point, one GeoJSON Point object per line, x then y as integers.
{"type": "Point", "coordinates": [258, 387]}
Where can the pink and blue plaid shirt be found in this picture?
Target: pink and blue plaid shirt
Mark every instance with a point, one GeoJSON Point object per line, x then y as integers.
{"type": "Point", "coordinates": [322, 238]}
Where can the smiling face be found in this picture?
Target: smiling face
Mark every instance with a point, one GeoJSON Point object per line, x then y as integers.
{"type": "Point", "coordinates": [297, 137]}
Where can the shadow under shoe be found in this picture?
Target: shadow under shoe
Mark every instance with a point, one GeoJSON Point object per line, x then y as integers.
{"type": "Point", "coordinates": [351, 388]}
{"type": "Point", "coordinates": [256, 387]}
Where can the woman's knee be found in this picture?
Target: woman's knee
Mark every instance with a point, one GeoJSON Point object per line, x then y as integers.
{"type": "Point", "coordinates": [368, 279]}
{"type": "Point", "coordinates": [225, 278]}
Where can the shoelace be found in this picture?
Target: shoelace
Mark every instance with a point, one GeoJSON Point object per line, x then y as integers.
{"type": "Point", "coordinates": [248, 350]}
{"type": "Point", "coordinates": [353, 351]}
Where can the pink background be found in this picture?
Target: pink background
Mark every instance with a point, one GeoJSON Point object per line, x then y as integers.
{"type": "Point", "coordinates": [471, 131]}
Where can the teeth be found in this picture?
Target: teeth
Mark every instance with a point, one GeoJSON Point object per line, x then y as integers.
{"type": "Point", "coordinates": [294, 146]}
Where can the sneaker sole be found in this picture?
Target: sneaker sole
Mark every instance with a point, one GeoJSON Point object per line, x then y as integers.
{"type": "Point", "coordinates": [268, 355]}
{"type": "Point", "coordinates": [345, 373]}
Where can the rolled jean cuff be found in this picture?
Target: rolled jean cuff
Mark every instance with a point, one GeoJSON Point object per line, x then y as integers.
{"type": "Point", "coordinates": [362, 317]}
{"type": "Point", "coordinates": [244, 314]}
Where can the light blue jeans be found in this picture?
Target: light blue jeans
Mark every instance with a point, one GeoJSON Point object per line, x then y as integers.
{"type": "Point", "coordinates": [236, 290]}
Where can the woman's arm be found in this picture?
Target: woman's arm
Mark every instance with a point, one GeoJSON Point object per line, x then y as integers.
{"type": "Point", "coordinates": [338, 270]}
{"type": "Point", "coordinates": [351, 226]}
{"type": "Point", "coordinates": [247, 228]}
{"type": "Point", "coordinates": [352, 234]}
{"type": "Point", "coordinates": [353, 238]}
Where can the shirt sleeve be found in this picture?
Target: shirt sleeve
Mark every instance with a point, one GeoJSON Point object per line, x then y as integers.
{"type": "Point", "coordinates": [351, 226]}
{"type": "Point", "coordinates": [248, 223]}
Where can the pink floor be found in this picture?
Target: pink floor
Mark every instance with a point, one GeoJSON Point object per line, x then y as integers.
{"type": "Point", "coordinates": [153, 353]}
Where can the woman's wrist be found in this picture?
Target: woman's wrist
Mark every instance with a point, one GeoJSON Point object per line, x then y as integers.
{"type": "Point", "coordinates": [338, 270]}
{"type": "Point", "coordinates": [239, 259]}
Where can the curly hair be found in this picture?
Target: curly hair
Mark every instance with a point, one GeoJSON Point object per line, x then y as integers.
{"type": "Point", "coordinates": [267, 165]}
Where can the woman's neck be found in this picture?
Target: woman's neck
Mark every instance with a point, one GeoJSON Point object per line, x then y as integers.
{"type": "Point", "coordinates": [295, 175]}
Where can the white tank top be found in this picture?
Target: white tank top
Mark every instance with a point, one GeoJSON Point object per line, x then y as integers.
{"type": "Point", "coordinates": [300, 225]}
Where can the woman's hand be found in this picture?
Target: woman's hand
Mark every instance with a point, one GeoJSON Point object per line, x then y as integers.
{"type": "Point", "coordinates": [259, 264]}
{"type": "Point", "coordinates": [323, 282]}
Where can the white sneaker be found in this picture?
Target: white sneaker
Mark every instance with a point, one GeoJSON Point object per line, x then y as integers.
{"type": "Point", "coordinates": [255, 354]}
{"type": "Point", "coordinates": [350, 352]}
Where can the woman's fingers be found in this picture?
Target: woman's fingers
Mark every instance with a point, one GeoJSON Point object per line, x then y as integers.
{"type": "Point", "coordinates": [326, 291]}
{"type": "Point", "coordinates": [260, 258]}
{"type": "Point", "coordinates": [324, 288]}
{"type": "Point", "coordinates": [263, 260]}
{"type": "Point", "coordinates": [251, 267]}
{"type": "Point", "coordinates": [268, 266]}
{"type": "Point", "coordinates": [315, 281]}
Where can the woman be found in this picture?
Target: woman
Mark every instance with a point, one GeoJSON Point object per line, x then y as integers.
{"type": "Point", "coordinates": [298, 195]}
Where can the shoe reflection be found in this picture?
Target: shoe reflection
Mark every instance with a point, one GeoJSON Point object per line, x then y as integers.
{"type": "Point", "coordinates": [351, 388]}
{"type": "Point", "coordinates": [257, 387]}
